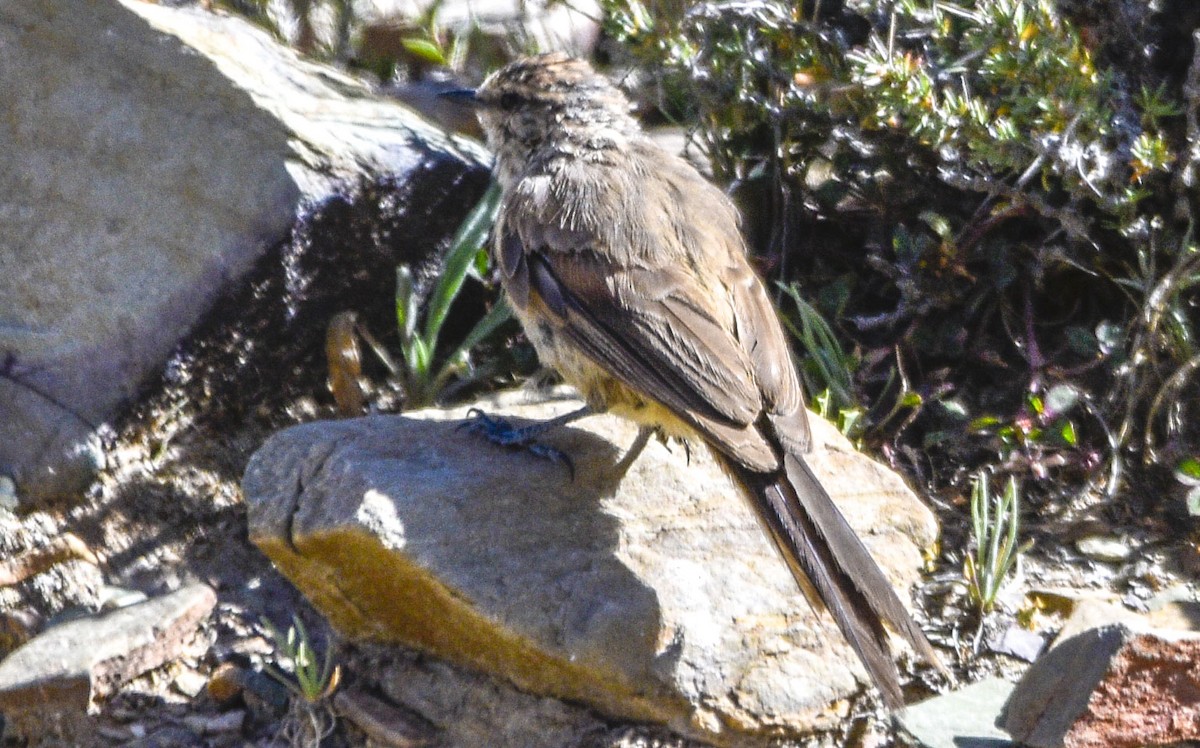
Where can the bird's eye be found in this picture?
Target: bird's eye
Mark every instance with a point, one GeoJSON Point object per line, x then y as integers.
{"type": "Point", "coordinates": [509, 101]}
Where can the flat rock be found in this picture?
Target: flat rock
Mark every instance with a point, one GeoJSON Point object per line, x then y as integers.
{"type": "Point", "coordinates": [1019, 642]}
{"type": "Point", "coordinates": [382, 722]}
{"type": "Point", "coordinates": [152, 154]}
{"type": "Point", "coordinates": [1117, 685]}
{"type": "Point", "coordinates": [965, 718]}
{"type": "Point", "coordinates": [59, 677]}
{"type": "Point", "coordinates": [653, 596]}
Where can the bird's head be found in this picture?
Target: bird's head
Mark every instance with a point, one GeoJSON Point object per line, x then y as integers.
{"type": "Point", "coordinates": [549, 100]}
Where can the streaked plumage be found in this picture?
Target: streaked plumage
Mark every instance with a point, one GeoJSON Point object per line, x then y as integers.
{"type": "Point", "coordinates": [629, 274]}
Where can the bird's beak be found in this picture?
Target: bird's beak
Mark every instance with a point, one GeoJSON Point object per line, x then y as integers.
{"type": "Point", "coordinates": [463, 95]}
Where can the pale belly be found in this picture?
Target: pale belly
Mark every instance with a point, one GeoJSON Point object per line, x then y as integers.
{"type": "Point", "coordinates": [601, 391]}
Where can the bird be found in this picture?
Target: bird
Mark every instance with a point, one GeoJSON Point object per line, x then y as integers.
{"type": "Point", "coordinates": [628, 272]}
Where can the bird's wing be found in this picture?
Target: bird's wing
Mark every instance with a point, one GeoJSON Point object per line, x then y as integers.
{"type": "Point", "coordinates": [757, 325]}
{"type": "Point", "coordinates": [657, 330]}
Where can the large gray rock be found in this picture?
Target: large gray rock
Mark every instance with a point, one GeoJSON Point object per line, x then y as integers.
{"type": "Point", "coordinates": [151, 154]}
{"type": "Point", "coordinates": [653, 596]}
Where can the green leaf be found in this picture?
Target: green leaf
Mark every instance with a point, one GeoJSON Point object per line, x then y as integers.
{"type": "Point", "coordinates": [463, 249]}
{"type": "Point", "coordinates": [982, 423]}
{"type": "Point", "coordinates": [823, 403]}
{"type": "Point", "coordinates": [482, 260]}
{"type": "Point", "coordinates": [406, 303]}
{"type": "Point", "coordinates": [425, 49]}
{"type": "Point", "coordinates": [1188, 471]}
{"type": "Point", "coordinates": [938, 224]}
{"type": "Point", "coordinates": [849, 420]}
{"type": "Point", "coordinates": [834, 296]}
{"type": "Point", "coordinates": [1068, 433]}
{"type": "Point", "coordinates": [825, 353]}
{"type": "Point", "coordinates": [417, 358]}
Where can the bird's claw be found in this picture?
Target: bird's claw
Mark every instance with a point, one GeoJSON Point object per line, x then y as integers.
{"type": "Point", "coordinates": [495, 430]}
{"type": "Point", "coordinates": [502, 433]}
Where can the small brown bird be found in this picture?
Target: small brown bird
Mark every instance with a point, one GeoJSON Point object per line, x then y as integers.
{"type": "Point", "coordinates": [629, 274]}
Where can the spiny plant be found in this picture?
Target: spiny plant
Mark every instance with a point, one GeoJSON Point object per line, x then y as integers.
{"type": "Point", "coordinates": [995, 525]}
{"type": "Point", "coordinates": [1020, 233]}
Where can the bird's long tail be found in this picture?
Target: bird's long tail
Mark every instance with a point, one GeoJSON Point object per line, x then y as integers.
{"type": "Point", "coordinates": [828, 559]}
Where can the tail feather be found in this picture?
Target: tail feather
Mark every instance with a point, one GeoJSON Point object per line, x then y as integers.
{"type": "Point", "coordinates": [827, 557]}
{"type": "Point", "coordinates": [855, 559]}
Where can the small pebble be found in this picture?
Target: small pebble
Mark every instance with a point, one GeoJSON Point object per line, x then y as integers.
{"type": "Point", "coordinates": [1020, 643]}
{"type": "Point", "coordinates": [115, 732]}
{"type": "Point", "coordinates": [215, 724]}
{"type": "Point", "coordinates": [226, 683]}
{"type": "Point", "coordinates": [190, 683]}
{"type": "Point", "coordinates": [8, 494]}
{"type": "Point", "coordinates": [1104, 548]}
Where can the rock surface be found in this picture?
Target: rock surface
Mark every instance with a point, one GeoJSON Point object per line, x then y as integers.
{"type": "Point", "coordinates": [652, 596]}
{"type": "Point", "coordinates": [152, 154]}
{"type": "Point", "coordinates": [57, 678]}
{"type": "Point", "coordinates": [546, 25]}
{"type": "Point", "coordinates": [965, 718]}
{"type": "Point", "coordinates": [1109, 681]}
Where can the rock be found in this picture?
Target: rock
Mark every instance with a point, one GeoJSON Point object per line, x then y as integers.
{"type": "Point", "coordinates": [34, 562]}
{"type": "Point", "coordinates": [1104, 548]}
{"type": "Point", "coordinates": [1093, 613]}
{"type": "Point", "coordinates": [55, 680]}
{"type": "Point", "coordinates": [544, 25]}
{"type": "Point", "coordinates": [383, 723]}
{"type": "Point", "coordinates": [152, 156]}
{"type": "Point", "coordinates": [226, 683]}
{"type": "Point", "coordinates": [653, 597]}
{"type": "Point", "coordinates": [1020, 643]}
{"type": "Point", "coordinates": [189, 683]}
{"type": "Point", "coordinates": [1110, 687]}
{"type": "Point", "coordinates": [8, 494]}
{"type": "Point", "coordinates": [473, 709]}
{"type": "Point", "coordinates": [215, 724]}
{"type": "Point", "coordinates": [113, 597]}
{"type": "Point", "coordinates": [17, 627]}
{"type": "Point", "coordinates": [66, 576]}
{"type": "Point", "coordinates": [965, 718]}
{"type": "Point", "coordinates": [168, 736]}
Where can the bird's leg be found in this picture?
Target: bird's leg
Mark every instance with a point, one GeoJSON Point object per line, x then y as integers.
{"type": "Point", "coordinates": [501, 432]}
{"type": "Point", "coordinates": [635, 449]}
